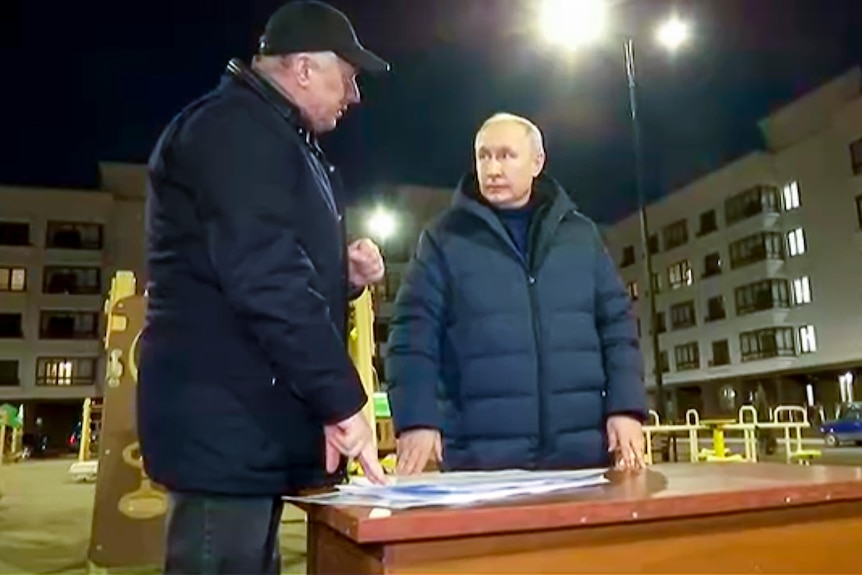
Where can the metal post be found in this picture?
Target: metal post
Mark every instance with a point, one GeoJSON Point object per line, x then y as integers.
{"type": "Point", "coordinates": [642, 206]}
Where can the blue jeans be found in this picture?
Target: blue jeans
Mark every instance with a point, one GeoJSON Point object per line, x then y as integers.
{"type": "Point", "coordinates": [223, 535]}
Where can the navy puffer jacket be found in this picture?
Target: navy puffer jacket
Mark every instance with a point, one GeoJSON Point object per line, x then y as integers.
{"type": "Point", "coordinates": [517, 360]}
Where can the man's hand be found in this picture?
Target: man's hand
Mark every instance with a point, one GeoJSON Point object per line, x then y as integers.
{"type": "Point", "coordinates": [353, 438]}
{"type": "Point", "coordinates": [626, 440]}
{"type": "Point", "coordinates": [415, 449]}
{"type": "Point", "coordinates": [365, 263]}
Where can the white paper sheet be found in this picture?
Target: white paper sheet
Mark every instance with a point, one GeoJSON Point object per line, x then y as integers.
{"type": "Point", "coordinates": [456, 489]}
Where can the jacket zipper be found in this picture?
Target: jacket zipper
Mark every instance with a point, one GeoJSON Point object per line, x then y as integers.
{"type": "Point", "coordinates": [532, 273]}
{"type": "Point", "coordinates": [528, 265]}
{"type": "Point", "coordinates": [537, 350]}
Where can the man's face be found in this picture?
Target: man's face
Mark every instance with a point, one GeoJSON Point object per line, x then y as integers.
{"type": "Point", "coordinates": [507, 162]}
{"type": "Point", "coordinates": [330, 86]}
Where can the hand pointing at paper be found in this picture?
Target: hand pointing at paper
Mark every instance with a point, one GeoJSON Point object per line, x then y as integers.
{"type": "Point", "coordinates": [353, 438]}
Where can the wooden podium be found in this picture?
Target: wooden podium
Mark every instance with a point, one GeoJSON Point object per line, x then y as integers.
{"type": "Point", "coordinates": [673, 518]}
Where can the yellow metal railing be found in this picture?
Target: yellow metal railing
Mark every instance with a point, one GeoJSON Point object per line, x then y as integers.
{"type": "Point", "coordinates": [791, 419]}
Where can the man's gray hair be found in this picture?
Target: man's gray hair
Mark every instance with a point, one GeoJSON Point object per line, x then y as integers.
{"type": "Point", "coordinates": [532, 129]}
{"type": "Point", "coordinates": [267, 63]}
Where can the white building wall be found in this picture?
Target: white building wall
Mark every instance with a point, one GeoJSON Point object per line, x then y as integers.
{"type": "Point", "coordinates": [808, 142]}
{"type": "Point", "coordinates": [119, 208]}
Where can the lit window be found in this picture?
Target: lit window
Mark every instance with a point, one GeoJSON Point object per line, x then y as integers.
{"type": "Point", "coordinates": [845, 387]}
{"type": "Point", "coordinates": [809, 394]}
{"type": "Point", "coordinates": [791, 196]}
{"type": "Point", "coordinates": [13, 279]}
{"type": "Point", "coordinates": [633, 290]}
{"type": "Point", "coordinates": [801, 290]}
{"type": "Point", "coordinates": [63, 372]}
{"type": "Point", "coordinates": [679, 275]}
{"type": "Point", "coordinates": [796, 242]}
{"type": "Point", "coordinates": [807, 339]}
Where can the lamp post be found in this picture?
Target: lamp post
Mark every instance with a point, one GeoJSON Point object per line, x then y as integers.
{"type": "Point", "coordinates": [578, 23]}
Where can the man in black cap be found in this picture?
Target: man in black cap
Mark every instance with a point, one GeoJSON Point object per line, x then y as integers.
{"type": "Point", "coordinates": [246, 389]}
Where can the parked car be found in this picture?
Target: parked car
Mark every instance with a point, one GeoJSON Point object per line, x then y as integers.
{"type": "Point", "coordinates": [845, 428]}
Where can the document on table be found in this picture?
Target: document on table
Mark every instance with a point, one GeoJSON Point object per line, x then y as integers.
{"type": "Point", "coordinates": [456, 488]}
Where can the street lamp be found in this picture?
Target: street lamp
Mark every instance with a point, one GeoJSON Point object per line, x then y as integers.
{"type": "Point", "coordinates": [381, 224]}
{"type": "Point", "coordinates": [673, 33]}
{"type": "Point", "coordinates": [574, 24]}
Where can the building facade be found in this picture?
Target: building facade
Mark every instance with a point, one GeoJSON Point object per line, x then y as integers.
{"type": "Point", "coordinates": [758, 266]}
{"type": "Point", "coordinates": [58, 252]}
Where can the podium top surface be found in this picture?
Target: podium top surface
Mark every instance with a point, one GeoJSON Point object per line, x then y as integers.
{"type": "Point", "coordinates": [664, 491]}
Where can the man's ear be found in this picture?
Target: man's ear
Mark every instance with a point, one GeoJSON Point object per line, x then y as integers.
{"type": "Point", "coordinates": [299, 66]}
{"type": "Point", "coordinates": [538, 164]}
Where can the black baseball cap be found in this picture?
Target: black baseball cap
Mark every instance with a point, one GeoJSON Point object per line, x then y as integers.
{"type": "Point", "coordinates": [311, 26]}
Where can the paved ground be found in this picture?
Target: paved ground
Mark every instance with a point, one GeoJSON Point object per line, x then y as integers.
{"type": "Point", "coordinates": [847, 455]}
{"type": "Point", "coordinates": [45, 518]}
{"type": "Point", "coordinates": [45, 523]}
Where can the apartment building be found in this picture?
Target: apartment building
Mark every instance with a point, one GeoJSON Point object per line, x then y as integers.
{"type": "Point", "coordinates": [758, 265]}
{"type": "Point", "coordinates": [60, 248]}
{"type": "Point", "coordinates": [58, 251]}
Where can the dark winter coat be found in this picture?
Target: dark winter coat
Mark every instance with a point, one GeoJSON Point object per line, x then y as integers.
{"type": "Point", "coordinates": [243, 357]}
{"type": "Point", "coordinates": [517, 359]}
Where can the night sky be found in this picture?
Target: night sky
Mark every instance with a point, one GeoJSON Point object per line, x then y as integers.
{"type": "Point", "coordinates": [95, 80]}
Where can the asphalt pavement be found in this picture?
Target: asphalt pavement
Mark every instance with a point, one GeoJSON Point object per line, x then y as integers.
{"type": "Point", "coordinates": [45, 523]}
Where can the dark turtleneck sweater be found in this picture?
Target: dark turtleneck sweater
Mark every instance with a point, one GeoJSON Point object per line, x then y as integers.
{"type": "Point", "coordinates": [517, 223]}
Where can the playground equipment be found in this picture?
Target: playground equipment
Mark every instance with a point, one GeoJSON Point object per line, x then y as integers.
{"type": "Point", "coordinates": [361, 348]}
{"type": "Point", "coordinates": [11, 433]}
{"type": "Point", "coordinates": [86, 467]}
{"type": "Point", "coordinates": [691, 426]}
{"type": "Point", "coordinates": [11, 436]}
{"type": "Point", "coordinates": [783, 418]}
{"type": "Point", "coordinates": [794, 449]}
{"type": "Point", "coordinates": [129, 511]}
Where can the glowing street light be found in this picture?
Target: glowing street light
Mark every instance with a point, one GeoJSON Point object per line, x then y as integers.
{"type": "Point", "coordinates": [673, 33]}
{"type": "Point", "coordinates": [573, 23]}
{"type": "Point", "coordinates": [382, 224]}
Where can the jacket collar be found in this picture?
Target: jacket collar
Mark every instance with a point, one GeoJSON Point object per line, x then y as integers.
{"type": "Point", "coordinates": [237, 71]}
{"type": "Point", "coordinates": [553, 205]}
{"type": "Point", "coordinates": [546, 190]}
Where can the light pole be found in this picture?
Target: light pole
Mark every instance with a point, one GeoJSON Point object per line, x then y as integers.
{"type": "Point", "coordinates": [591, 17]}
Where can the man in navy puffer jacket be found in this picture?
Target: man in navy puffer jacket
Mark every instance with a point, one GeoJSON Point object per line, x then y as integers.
{"type": "Point", "coordinates": [513, 343]}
